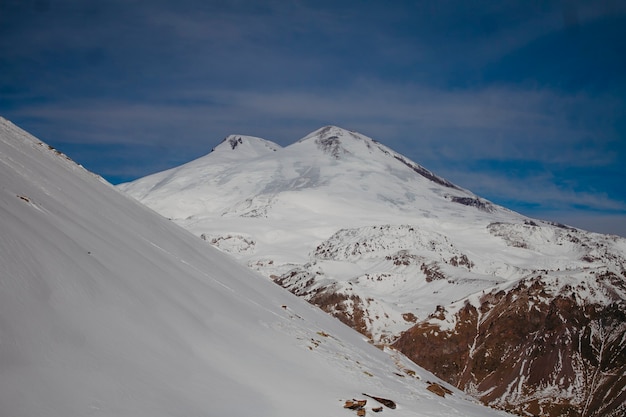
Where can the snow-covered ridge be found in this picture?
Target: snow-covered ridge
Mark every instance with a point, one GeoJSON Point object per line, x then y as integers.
{"type": "Point", "coordinates": [241, 146]}
{"type": "Point", "coordinates": [336, 141]}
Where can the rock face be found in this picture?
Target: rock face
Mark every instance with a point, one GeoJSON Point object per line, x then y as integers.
{"type": "Point", "coordinates": [524, 314]}
{"type": "Point", "coordinates": [532, 351]}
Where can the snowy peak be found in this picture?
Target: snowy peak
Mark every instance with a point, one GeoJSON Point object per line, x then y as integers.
{"type": "Point", "coordinates": [232, 151]}
{"type": "Point", "coordinates": [241, 146]}
{"type": "Point", "coordinates": [338, 142]}
{"type": "Point", "coordinates": [354, 180]}
{"type": "Point", "coordinates": [331, 131]}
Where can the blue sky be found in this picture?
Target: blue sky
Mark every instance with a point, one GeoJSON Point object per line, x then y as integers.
{"type": "Point", "coordinates": [522, 102]}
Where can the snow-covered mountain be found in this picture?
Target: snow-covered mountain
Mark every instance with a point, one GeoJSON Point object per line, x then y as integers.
{"type": "Point", "coordinates": [407, 257]}
{"type": "Point", "coordinates": [108, 309]}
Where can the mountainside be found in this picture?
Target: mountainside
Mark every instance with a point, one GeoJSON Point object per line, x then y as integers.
{"type": "Point", "coordinates": [525, 315]}
{"type": "Point", "coordinates": [107, 309]}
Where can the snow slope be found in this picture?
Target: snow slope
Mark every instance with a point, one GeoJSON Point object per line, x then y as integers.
{"type": "Point", "coordinates": [108, 309]}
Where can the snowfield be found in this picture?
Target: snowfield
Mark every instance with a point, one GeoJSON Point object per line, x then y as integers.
{"type": "Point", "coordinates": [108, 309]}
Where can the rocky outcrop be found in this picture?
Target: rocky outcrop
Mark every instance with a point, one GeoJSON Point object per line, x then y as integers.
{"type": "Point", "coordinates": [531, 351]}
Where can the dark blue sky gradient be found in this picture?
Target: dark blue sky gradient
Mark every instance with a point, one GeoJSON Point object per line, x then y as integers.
{"type": "Point", "coordinates": [522, 102]}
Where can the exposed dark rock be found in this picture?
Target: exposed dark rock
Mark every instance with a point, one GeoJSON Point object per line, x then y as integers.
{"type": "Point", "coordinates": [438, 389]}
{"type": "Point", "coordinates": [426, 173]}
{"type": "Point", "coordinates": [347, 308]}
{"type": "Point", "coordinates": [474, 202]}
{"type": "Point", "coordinates": [432, 272]}
{"type": "Point", "coordinates": [523, 343]}
{"type": "Point", "coordinates": [234, 142]}
{"type": "Point", "coordinates": [384, 401]}
{"type": "Point", "coordinates": [331, 145]}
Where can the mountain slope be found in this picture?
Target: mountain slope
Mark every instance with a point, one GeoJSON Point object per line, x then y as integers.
{"type": "Point", "coordinates": [552, 344]}
{"type": "Point", "coordinates": [304, 192]}
{"type": "Point", "coordinates": [106, 308]}
{"type": "Point", "coordinates": [407, 257]}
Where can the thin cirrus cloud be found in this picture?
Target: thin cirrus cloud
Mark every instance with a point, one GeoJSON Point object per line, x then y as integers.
{"type": "Point", "coordinates": [539, 197]}
{"type": "Point", "coordinates": [512, 119]}
{"type": "Point", "coordinates": [539, 190]}
{"type": "Point", "coordinates": [522, 101]}
{"type": "Point", "coordinates": [355, 109]}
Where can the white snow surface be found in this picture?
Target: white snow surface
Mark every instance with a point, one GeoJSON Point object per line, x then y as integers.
{"type": "Point", "coordinates": [382, 222]}
{"type": "Point", "coordinates": [108, 309]}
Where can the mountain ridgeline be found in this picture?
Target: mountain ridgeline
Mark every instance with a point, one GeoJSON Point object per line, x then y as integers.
{"type": "Point", "coordinates": [523, 314]}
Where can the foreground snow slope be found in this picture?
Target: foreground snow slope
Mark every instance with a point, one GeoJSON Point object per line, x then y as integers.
{"type": "Point", "coordinates": [107, 309]}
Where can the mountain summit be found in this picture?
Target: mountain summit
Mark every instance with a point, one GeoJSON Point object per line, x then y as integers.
{"type": "Point", "coordinates": [239, 146]}
{"type": "Point", "coordinates": [336, 141]}
{"type": "Point", "coordinates": [524, 314]}
{"type": "Point", "coordinates": [346, 171]}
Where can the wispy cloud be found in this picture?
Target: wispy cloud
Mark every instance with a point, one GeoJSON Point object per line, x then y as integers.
{"type": "Point", "coordinates": [538, 190]}
{"type": "Point", "coordinates": [519, 99]}
{"type": "Point", "coordinates": [453, 133]}
{"type": "Point", "coordinates": [492, 122]}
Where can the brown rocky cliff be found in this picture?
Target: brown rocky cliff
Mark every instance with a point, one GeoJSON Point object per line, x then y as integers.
{"type": "Point", "coordinates": [531, 352]}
